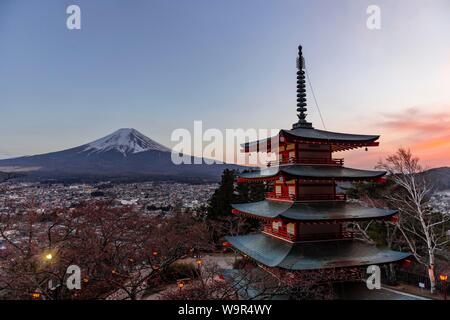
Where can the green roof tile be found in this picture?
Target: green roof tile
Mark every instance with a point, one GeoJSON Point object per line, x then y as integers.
{"type": "Point", "coordinates": [318, 211]}
{"type": "Point", "coordinates": [273, 252]}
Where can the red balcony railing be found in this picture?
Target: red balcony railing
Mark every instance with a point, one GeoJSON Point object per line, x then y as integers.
{"type": "Point", "coordinates": [282, 233]}
{"type": "Point", "coordinates": [321, 197]}
{"type": "Point", "coordinates": [326, 236]}
{"type": "Point", "coordinates": [293, 160]}
{"type": "Point", "coordinates": [305, 197]}
{"type": "Point", "coordinates": [280, 196]}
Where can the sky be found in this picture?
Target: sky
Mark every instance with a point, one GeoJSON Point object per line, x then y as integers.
{"type": "Point", "coordinates": [159, 65]}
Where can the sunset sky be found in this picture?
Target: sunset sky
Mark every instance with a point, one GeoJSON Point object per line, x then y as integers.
{"type": "Point", "coordinates": [159, 65]}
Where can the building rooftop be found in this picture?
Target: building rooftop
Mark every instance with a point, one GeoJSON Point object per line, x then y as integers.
{"type": "Point", "coordinates": [313, 172]}
{"type": "Point", "coordinates": [309, 212]}
{"type": "Point", "coordinates": [339, 141]}
{"type": "Point", "coordinates": [273, 252]}
{"type": "Point", "coordinates": [336, 137]}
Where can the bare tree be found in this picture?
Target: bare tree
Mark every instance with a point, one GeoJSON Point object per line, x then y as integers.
{"type": "Point", "coordinates": [391, 233]}
{"type": "Point", "coordinates": [257, 282]}
{"type": "Point", "coordinates": [210, 282]}
{"type": "Point", "coordinates": [422, 228]}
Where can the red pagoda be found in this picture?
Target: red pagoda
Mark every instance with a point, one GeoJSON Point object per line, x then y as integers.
{"type": "Point", "coordinates": [305, 218]}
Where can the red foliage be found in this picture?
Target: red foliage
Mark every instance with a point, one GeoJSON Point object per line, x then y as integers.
{"type": "Point", "coordinates": [114, 247]}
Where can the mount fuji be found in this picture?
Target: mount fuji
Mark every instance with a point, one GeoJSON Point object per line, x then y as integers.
{"type": "Point", "coordinates": [125, 141]}
{"type": "Point", "coordinates": [124, 154]}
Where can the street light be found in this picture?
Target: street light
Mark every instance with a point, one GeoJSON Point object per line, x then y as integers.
{"type": "Point", "coordinates": [48, 256]}
{"type": "Point", "coordinates": [443, 277]}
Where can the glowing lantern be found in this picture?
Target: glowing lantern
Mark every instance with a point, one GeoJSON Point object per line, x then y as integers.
{"type": "Point", "coordinates": [49, 256]}
{"type": "Point", "coordinates": [381, 180]}
{"type": "Point", "coordinates": [443, 277]}
{"type": "Point", "coordinates": [180, 284]}
{"type": "Point", "coordinates": [226, 244]}
{"type": "Point", "coordinates": [36, 296]}
{"type": "Point", "coordinates": [394, 219]}
{"type": "Point", "coordinates": [199, 262]}
{"type": "Point", "coordinates": [407, 262]}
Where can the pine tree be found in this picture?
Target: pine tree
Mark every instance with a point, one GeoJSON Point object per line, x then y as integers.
{"type": "Point", "coordinates": [220, 202]}
{"type": "Point", "coordinates": [228, 193]}
{"type": "Point", "coordinates": [219, 217]}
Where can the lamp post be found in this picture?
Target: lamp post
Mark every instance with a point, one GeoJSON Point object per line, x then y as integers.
{"type": "Point", "coordinates": [180, 284]}
{"type": "Point", "coordinates": [199, 263]}
{"type": "Point", "coordinates": [443, 277]}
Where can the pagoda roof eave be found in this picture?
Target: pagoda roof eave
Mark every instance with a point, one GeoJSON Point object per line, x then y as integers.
{"type": "Point", "coordinates": [319, 212]}
{"type": "Point", "coordinates": [332, 137]}
{"type": "Point", "coordinates": [312, 172]}
{"type": "Point", "coordinates": [315, 135]}
{"type": "Point", "coordinates": [273, 252]}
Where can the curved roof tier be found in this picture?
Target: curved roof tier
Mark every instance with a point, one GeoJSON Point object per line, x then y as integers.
{"type": "Point", "coordinates": [312, 255]}
{"type": "Point", "coordinates": [333, 137]}
{"type": "Point", "coordinates": [339, 141]}
{"type": "Point", "coordinates": [312, 172]}
{"type": "Point", "coordinates": [312, 212]}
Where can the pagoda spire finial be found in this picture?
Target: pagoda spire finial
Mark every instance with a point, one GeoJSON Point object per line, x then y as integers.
{"type": "Point", "coordinates": [301, 93]}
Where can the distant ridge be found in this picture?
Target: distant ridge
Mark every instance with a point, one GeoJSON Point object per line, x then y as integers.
{"type": "Point", "coordinates": [124, 154]}
{"type": "Point", "coordinates": [439, 177]}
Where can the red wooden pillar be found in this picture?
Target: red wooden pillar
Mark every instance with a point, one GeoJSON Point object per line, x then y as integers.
{"type": "Point", "coordinates": [295, 230]}
{"type": "Point", "coordinates": [296, 189]}
{"type": "Point", "coordinates": [334, 189]}
{"type": "Point", "coordinates": [295, 151]}
{"type": "Point", "coordinates": [330, 158]}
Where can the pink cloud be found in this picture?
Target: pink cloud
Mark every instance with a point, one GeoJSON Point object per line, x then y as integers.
{"type": "Point", "coordinates": [417, 121]}
{"type": "Point", "coordinates": [426, 134]}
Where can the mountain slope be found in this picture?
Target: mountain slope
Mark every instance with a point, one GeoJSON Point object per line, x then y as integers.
{"type": "Point", "coordinates": [439, 177]}
{"type": "Point", "coordinates": [124, 153]}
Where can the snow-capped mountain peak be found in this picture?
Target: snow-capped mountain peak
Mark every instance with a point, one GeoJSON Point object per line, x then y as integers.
{"type": "Point", "coordinates": [126, 141]}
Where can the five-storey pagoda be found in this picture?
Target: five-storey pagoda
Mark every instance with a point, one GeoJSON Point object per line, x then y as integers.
{"type": "Point", "coordinates": [305, 218]}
